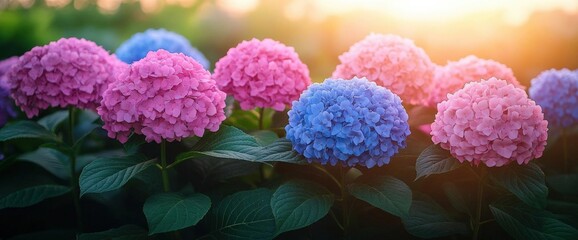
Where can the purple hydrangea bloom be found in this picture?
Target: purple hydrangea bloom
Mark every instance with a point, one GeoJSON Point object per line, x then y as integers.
{"type": "Point", "coordinates": [556, 91]}
{"type": "Point", "coordinates": [137, 47]}
{"type": "Point", "coordinates": [6, 106]}
{"type": "Point", "coordinates": [351, 122]}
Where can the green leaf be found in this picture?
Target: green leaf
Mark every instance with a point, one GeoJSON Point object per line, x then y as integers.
{"type": "Point", "coordinates": [87, 116]}
{"type": "Point", "coordinates": [527, 223]}
{"type": "Point", "coordinates": [126, 232]}
{"type": "Point", "coordinates": [281, 151]}
{"type": "Point", "coordinates": [228, 143]}
{"type": "Point", "coordinates": [297, 204]}
{"type": "Point", "coordinates": [265, 137]}
{"type": "Point", "coordinates": [566, 184]}
{"type": "Point", "coordinates": [527, 182]}
{"type": "Point", "coordinates": [384, 192]}
{"type": "Point", "coordinates": [82, 131]}
{"type": "Point", "coordinates": [52, 121]}
{"type": "Point", "coordinates": [434, 160]}
{"type": "Point", "coordinates": [108, 174]}
{"type": "Point", "coordinates": [167, 212]}
{"type": "Point", "coordinates": [31, 195]}
{"type": "Point", "coordinates": [133, 144]}
{"type": "Point", "coordinates": [211, 170]}
{"type": "Point", "coordinates": [427, 219]}
{"type": "Point", "coordinates": [244, 215]}
{"type": "Point", "coordinates": [455, 197]}
{"type": "Point", "coordinates": [26, 129]}
{"type": "Point", "coordinates": [50, 159]}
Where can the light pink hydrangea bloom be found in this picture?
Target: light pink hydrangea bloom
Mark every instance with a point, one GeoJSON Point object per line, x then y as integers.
{"type": "Point", "coordinates": [454, 75]}
{"type": "Point", "coordinates": [490, 122]}
{"type": "Point", "coordinates": [392, 62]}
{"type": "Point", "coordinates": [262, 74]}
{"type": "Point", "coordinates": [68, 72]}
{"type": "Point", "coordinates": [162, 96]}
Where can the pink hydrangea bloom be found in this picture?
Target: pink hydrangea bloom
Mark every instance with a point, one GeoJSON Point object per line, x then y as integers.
{"type": "Point", "coordinates": [392, 62]}
{"type": "Point", "coordinates": [262, 74]}
{"type": "Point", "coordinates": [68, 72]}
{"type": "Point", "coordinates": [162, 96]}
{"type": "Point", "coordinates": [454, 75]}
{"type": "Point", "coordinates": [490, 122]}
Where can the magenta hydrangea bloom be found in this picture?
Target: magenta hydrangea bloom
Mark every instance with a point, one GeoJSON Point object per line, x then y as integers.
{"type": "Point", "coordinates": [454, 75]}
{"type": "Point", "coordinates": [262, 74]}
{"type": "Point", "coordinates": [68, 72]}
{"type": "Point", "coordinates": [392, 62]}
{"type": "Point", "coordinates": [162, 96]}
{"type": "Point", "coordinates": [490, 122]}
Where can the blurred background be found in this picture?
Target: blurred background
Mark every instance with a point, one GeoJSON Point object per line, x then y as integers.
{"type": "Point", "coordinates": [528, 35]}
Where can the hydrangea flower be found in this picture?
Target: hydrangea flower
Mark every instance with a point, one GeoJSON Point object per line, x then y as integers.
{"type": "Point", "coordinates": [68, 72]}
{"type": "Point", "coordinates": [392, 62]}
{"type": "Point", "coordinates": [6, 109]}
{"type": "Point", "coordinates": [162, 96]}
{"type": "Point", "coordinates": [454, 75]}
{"type": "Point", "coordinates": [490, 122]}
{"type": "Point", "coordinates": [348, 122]}
{"type": "Point", "coordinates": [262, 74]}
{"type": "Point", "coordinates": [556, 91]}
{"type": "Point", "coordinates": [137, 47]}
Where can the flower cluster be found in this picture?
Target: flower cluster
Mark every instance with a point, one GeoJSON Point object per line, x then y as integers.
{"type": "Point", "coordinates": [556, 91]}
{"type": "Point", "coordinates": [390, 61]}
{"type": "Point", "coordinates": [68, 72]}
{"type": "Point", "coordinates": [262, 74]}
{"type": "Point", "coordinates": [162, 96]}
{"type": "Point", "coordinates": [490, 122]}
{"type": "Point", "coordinates": [454, 75]}
{"type": "Point", "coordinates": [6, 109]}
{"type": "Point", "coordinates": [137, 47]}
{"type": "Point", "coordinates": [351, 122]}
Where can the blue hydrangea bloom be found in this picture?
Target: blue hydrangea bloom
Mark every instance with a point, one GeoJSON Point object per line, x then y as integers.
{"type": "Point", "coordinates": [137, 47]}
{"type": "Point", "coordinates": [350, 122]}
{"type": "Point", "coordinates": [556, 91]}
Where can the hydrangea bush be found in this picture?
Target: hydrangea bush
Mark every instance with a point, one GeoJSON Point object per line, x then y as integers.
{"type": "Point", "coordinates": [349, 122]}
{"type": "Point", "coordinates": [149, 155]}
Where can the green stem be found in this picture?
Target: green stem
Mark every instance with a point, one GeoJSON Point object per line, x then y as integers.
{"type": "Point", "coordinates": [336, 220]}
{"type": "Point", "coordinates": [73, 177]}
{"type": "Point", "coordinates": [261, 117]}
{"type": "Point", "coordinates": [487, 221]}
{"type": "Point", "coordinates": [344, 203]}
{"type": "Point", "coordinates": [320, 168]}
{"type": "Point", "coordinates": [565, 150]}
{"type": "Point", "coordinates": [164, 170]}
{"type": "Point", "coordinates": [478, 213]}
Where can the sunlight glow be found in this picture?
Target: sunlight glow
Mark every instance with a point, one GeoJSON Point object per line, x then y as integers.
{"type": "Point", "coordinates": [513, 11]}
{"type": "Point", "coordinates": [237, 7]}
